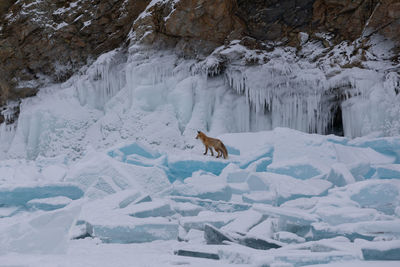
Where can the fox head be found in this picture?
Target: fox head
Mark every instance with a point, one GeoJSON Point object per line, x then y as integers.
{"type": "Point", "coordinates": [199, 134]}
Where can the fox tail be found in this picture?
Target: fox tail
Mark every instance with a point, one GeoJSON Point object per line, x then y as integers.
{"type": "Point", "coordinates": [224, 151]}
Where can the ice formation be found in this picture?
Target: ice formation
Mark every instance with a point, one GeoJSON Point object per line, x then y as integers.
{"type": "Point", "coordinates": [122, 91]}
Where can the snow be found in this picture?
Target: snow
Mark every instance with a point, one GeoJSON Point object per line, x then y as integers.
{"type": "Point", "coordinates": [124, 194]}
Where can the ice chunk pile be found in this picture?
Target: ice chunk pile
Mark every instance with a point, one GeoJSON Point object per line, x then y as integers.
{"type": "Point", "coordinates": [307, 199]}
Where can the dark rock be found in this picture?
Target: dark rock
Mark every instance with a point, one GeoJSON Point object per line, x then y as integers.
{"type": "Point", "coordinates": [58, 42]}
{"type": "Point", "coordinates": [350, 18]}
{"type": "Point", "coordinates": [196, 254]}
{"type": "Point", "coordinates": [5, 5]}
{"type": "Point", "coordinates": [272, 19]}
{"type": "Point", "coordinates": [214, 236]}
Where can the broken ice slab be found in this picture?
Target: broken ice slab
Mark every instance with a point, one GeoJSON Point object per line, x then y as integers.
{"type": "Point", "coordinates": [390, 171]}
{"type": "Point", "coordinates": [182, 169]}
{"type": "Point", "coordinates": [132, 197]}
{"type": "Point", "coordinates": [389, 146]}
{"type": "Point", "coordinates": [239, 176]}
{"type": "Point", "coordinates": [134, 149]}
{"type": "Point", "coordinates": [186, 209]}
{"type": "Point", "coordinates": [381, 250]}
{"type": "Point", "coordinates": [337, 251]}
{"type": "Point", "coordinates": [256, 183]}
{"type": "Point", "coordinates": [39, 233]}
{"type": "Point", "coordinates": [196, 254]}
{"type": "Point", "coordinates": [80, 230]}
{"type": "Point", "coordinates": [290, 214]}
{"type": "Point", "coordinates": [8, 211]}
{"type": "Point", "coordinates": [264, 197]}
{"type": "Point", "coordinates": [138, 154]}
{"type": "Point", "coordinates": [260, 165]}
{"type": "Point", "coordinates": [340, 175]}
{"type": "Point", "coordinates": [263, 157]}
{"type": "Point", "coordinates": [217, 206]}
{"type": "Point", "coordinates": [359, 160]}
{"type": "Point", "coordinates": [277, 188]}
{"type": "Point", "coordinates": [101, 175]}
{"type": "Point", "coordinates": [288, 219]}
{"type": "Point", "coordinates": [199, 186]}
{"type": "Point", "coordinates": [115, 201]}
{"type": "Point", "coordinates": [347, 214]}
{"type": "Point", "coordinates": [339, 243]}
{"type": "Point", "coordinates": [244, 222]}
{"type": "Point", "coordinates": [265, 229]}
{"type": "Point", "coordinates": [364, 230]}
{"type": "Point", "coordinates": [233, 151]}
{"type": "Point", "coordinates": [324, 251]}
{"type": "Point", "coordinates": [51, 203]}
{"type": "Point", "coordinates": [216, 219]}
{"type": "Point", "coordinates": [195, 236]}
{"type": "Point", "coordinates": [19, 196]}
{"type": "Point", "coordinates": [288, 237]}
{"type": "Point", "coordinates": [214, 236]}
{"type": "Point", "coordinates": [382, 195]}
{"type": "Point", "coordinates": [300, 168]}
{"type": "Point", "coordinates": [126, 229]}
{"type": "Point", "coordinates": [305, 257]}
{"type": "Point", "coordinates": [156, 208]}
{"type": "Point", "coordinates": [259, 243]}
{"type": "Point", "coordinates": [239, 188]}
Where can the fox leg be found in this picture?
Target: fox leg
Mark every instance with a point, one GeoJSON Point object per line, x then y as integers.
{"type": "Point", "coordinates": [205, 153]}
{"type": "Point", "coordinates": [212, 152]}
{"type": "Point", "coordinates": [219, 152]}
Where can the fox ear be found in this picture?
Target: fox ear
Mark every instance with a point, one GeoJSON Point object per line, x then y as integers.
{"type": "Point", "coordinates": [198, 131]}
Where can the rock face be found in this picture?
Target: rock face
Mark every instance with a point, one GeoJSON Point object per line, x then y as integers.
{"type": "Point", "coordinates": [274, 19]}
{"type": "Point", "coordinates": [48, 40]}
{"type": "Point", "coordinates": [44, 41]}
{"type": "Point", "coordinates": [345, 19]}
{"type": "Point", "coordinates": [349, 19]}
{"type": "Point", "coordinates": [194, 24]}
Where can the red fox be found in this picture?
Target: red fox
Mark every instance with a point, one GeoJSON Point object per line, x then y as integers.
{"type": "Point", "coordinates": [212, 143]}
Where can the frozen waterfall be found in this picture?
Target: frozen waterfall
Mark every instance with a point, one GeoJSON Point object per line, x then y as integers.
{"type": "Point", "coordinates": [159, 97]}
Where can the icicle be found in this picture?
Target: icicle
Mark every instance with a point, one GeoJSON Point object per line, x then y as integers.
{"type": "Point", "coordinates": [103, 80]}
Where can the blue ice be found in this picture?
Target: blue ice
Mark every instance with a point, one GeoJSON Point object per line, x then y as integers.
{"type": "Point", "coordinates": [382, 197]}
{"type": "Point", "coordinates": [21, 195]}
{"type": "Point", "coordinates": [180, 170]}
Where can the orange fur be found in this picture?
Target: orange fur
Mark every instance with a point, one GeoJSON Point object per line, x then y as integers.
{"type": "Point", "coordinates": [210, 143]}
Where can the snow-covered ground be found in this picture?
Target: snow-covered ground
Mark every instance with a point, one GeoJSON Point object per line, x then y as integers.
{"type": "Point", "coordinates": [104, 170]}
{"type": "Point", "coordinates": [282, 198]}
